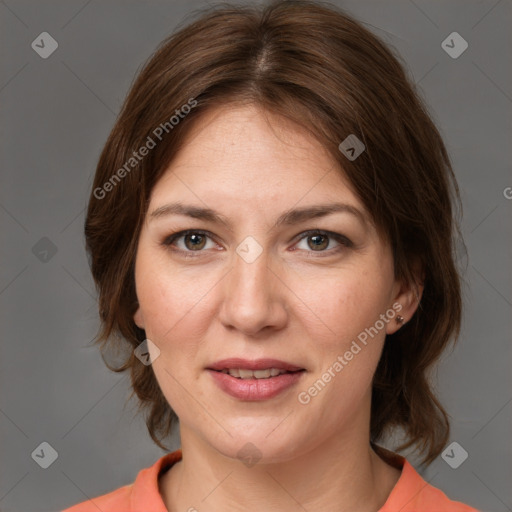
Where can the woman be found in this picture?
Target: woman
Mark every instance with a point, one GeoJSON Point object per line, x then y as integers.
{"type": "Point", "coordinates": [271, 232]}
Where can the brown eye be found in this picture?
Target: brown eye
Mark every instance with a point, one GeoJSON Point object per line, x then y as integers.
{"type": "Point", "coordinates": [325, 243]}
{"type": "Point", "coordinates": [319, 242]}
{"type": "Point", "coordinates": [189, 241]}
{"type": "Point", "coordinates": [194, 241]}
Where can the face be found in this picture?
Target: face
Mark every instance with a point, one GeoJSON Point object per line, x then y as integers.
{"type": "Point", "coordinates": [276, 268]}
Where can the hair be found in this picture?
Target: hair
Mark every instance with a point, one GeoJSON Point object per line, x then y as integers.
{"type": "Point", "coordinates": [317, 66]}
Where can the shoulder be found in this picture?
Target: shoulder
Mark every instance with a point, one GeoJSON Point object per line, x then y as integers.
{"type": "Point", "coordinates": [112, 502]}
{"type": "Point", "coordinates": [135, 497]}
{"type": "Point", "coordinates": [412, 493]}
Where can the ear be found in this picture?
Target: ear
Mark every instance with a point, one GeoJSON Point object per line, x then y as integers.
{"type": "Point", "coordinates": [138, 318]}
{"type": "Point", "coordinates": [406, 298]}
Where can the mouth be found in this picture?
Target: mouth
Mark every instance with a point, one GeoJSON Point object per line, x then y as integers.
{"type": "Point", "coordinates": [244, 373]}
{"type": "Point", "coordinates": [254, 369]}
{"type": "Point", "coordinates": [260, 379]}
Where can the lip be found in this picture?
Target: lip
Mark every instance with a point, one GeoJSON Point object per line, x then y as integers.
{"type": "Point", "coordinates": [257, 364]}
{"type": "Point", "coordinates": [254, 389]}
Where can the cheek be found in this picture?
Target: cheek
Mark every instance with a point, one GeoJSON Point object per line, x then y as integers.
{"type": "Point", "coordinates": [170, 300]}
{"type": "Point", "coordinates": [347, 310]}
{"type": "Point", "coordinates": [175, 321]}
{"type": "Point", "coordinates": [344, 306]}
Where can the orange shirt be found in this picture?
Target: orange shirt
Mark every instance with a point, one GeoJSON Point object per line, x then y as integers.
{"type": "Point", "coordinates": [410, 494]}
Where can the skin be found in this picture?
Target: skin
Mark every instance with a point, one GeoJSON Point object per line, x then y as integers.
{"type": "Point", "coordinates": [295, 302]}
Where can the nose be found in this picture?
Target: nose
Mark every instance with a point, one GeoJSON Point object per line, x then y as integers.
{"type": "Point", "coordinates": [254, 297]}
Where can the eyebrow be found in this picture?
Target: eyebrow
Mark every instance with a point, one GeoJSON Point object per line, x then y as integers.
{"type": "Point", "coordinates": [289, 217]}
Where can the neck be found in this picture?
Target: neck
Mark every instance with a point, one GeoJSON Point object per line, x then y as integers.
{"type": "Point", "coordinates": [336, 476]}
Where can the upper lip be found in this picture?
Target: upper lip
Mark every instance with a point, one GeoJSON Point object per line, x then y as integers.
{"type": "Point", "coordinates": [256, 364]}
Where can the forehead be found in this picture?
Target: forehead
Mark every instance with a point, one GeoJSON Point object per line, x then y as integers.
{"type": "Point", "coordinates": [245, 151]}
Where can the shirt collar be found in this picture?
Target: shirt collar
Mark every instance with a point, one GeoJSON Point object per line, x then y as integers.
{"type": "Point", "coordinates": [146, 494]}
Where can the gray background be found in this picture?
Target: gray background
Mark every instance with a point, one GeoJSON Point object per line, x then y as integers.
{"type": "Point", "coordinates": [56, 115]}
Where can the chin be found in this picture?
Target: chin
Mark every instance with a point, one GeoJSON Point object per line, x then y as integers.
{"type": "Point", "coordinates": [258, 445]}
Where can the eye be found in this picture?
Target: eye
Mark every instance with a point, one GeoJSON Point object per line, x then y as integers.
{"type": "Point", "coordinates": [319, 241]}
{"type": "Point", "coordinates": [194, 240]}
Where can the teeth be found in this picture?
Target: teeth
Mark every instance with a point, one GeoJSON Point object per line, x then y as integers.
{"type": "Point", "coordinates": [245, 374]}
{"type": "Point", "coordinates": [241, 373]}
{"type": "Point", "coordinates": [262, 374]}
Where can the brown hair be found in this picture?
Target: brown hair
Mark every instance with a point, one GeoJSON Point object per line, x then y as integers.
{"type": "Point", "coordinates": [314, 64]}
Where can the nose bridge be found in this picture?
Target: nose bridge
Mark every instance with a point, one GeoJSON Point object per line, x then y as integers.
{"type": "Point", "coordinates": [249, 280]}
{"type": "Point", "coordinates": [251, 298]}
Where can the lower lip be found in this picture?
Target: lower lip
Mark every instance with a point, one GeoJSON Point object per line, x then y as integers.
{"type": "Point", "coordinates": [255, 389]}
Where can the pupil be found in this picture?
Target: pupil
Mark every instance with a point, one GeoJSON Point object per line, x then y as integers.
{"type": "Point", "coordinates": [318, 243]}
{"type": "Point", "coordinates": [196, 240]}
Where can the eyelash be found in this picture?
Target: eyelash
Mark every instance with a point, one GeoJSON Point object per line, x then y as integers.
{"type": "Point", "coordinates": [341, 239]}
